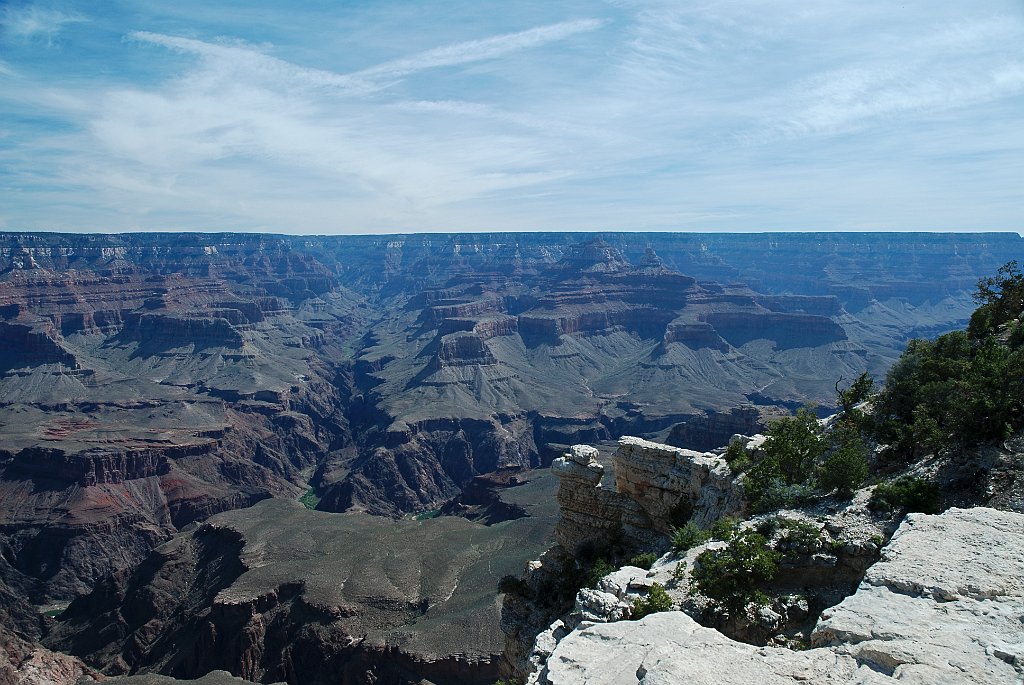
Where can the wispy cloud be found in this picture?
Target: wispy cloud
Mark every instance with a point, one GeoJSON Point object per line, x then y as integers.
{"type": "Point", "coordinates": [952, 66]}
{"type": "Point", "coordinates": [479, 50]}
{"type": "Point", "coordinates": [32, 22]}
{"type": "Point", "coordinates": [754, 114]}
{"type": "Point", "coordinates": [242, 59]}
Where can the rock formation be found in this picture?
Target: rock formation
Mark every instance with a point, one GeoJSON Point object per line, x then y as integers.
{"type": "Point", "coordinates": [656, 487]}
{"type": "Point", "coordinates": [277, 593]}
{"type": "Point", "coordinates": [943, 605]}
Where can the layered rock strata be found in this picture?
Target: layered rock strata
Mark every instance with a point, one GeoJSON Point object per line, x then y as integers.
{"type": "Point", "coordinates": [655, 487]}
{"type": "Point", "coordinates": [385, 373]}
{"type": "Point", "coordinates": [714, 429]}
{"type": "Point", "coordinates": [943, 605]}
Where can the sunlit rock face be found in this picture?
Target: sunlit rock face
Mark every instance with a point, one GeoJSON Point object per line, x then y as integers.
{"type": "Point", "coordinates": [942, 606]}
{"type": "Point", "coordinates": [653, 485]}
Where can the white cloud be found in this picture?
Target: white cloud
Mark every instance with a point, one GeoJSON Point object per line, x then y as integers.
{"type": "Point", "coordinates": [30, 22]}
{"type": "Point", "coordinates": [247, 125]}
{"type": "Point", "coordinates": [231, 61]}
{"type": "Point", "coordinates": [478, 50]}
{"type": "Point", "coordinates": [749, 114]}
{"type": "Point", "coordinates": [910, 78]}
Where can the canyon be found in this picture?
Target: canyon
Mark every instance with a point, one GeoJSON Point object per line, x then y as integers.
{"type": "Point", "coordinates": [151, 382]}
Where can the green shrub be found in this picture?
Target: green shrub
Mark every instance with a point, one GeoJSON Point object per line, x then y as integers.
{"type": "Point", "coordinates": [785, 476]}
{"type": "Point", "coordinates": [598, 570]}
{"type": "Point", "coordinates": [965, 387]}
{"type": "Point", "coordinates": [847, 465]}
{"type": "Point", "coordinates": [724, 528]}
{"type": "Point", "coordinates": [310, 499]}
{"type": "Point", "coordinates": [691, 535]}
{"type": "Point", "coordinates": [688, 537]}
{"type": "Point", "coordinates": [906, 494]}
{"type": "Point", "coordinates": [656, 600]}
{"type": "Point", "coordinates": [1001, 299]}
{"type": "Point", "coordinates": [795, 531]}
{"type": "Point", "coordinates": [732, 576]}
{"type": "Point", "coordinates": [794, 444]}
{"type": "Point", "coordinates": [776, 494]}
{"type": "Point", "coordinates": [858, 391]}
{"type": "Point", "coordinates": [737, 458]}
{"type": "Point", "coordinates": [644, 560]}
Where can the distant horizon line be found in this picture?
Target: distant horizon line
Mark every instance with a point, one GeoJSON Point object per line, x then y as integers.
{"type": "Point", "coordinates": [186, 231]}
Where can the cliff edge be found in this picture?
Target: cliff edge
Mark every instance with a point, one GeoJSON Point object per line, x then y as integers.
{"type": "Point", "coordinates": [944, 605]}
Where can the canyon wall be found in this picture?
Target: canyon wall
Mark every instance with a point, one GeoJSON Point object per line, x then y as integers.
{"type": "Point", "coordinates": [155, 379]}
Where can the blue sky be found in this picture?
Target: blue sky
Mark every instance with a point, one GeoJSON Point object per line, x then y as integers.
{"type": "Point", "coordinates": [397, 116]}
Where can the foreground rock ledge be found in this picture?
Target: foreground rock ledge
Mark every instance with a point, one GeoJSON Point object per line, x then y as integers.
{"type": "Point", "coordinates": [944, 605]}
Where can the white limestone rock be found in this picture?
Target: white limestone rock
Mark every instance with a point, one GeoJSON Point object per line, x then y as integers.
{"type": "Point", "coordinates": [981, 553]}
{"type": "Point", "coordinates": [583, 454]}
{"type": "Point", "coordinates": [660, 476]}
{"type": "Point", "coordinates": [945, 605]}
{"type": "Point", "coordinates": [625, 580]}
{"type": "Point", "coordinates": [543, 645]}
{"type": "Point", "coordinates": [596, 606]}
{"type": "Point", "coordinates": [671, 647]}
{"type": "Point", "coordinates": [580, 464]}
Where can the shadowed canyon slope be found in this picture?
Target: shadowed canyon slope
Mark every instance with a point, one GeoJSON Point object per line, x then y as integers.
{"type": "Point", "coordinates": [148, 381]}
{"type": "Point", "coordinates": [276, 593]}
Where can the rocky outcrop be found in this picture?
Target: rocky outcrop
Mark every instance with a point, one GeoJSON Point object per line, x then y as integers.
{"type": "Point", "coordinates": [280, 593]}
{"type": "Point", "coordinates": [715, 428]}
{"type": "Point", "coordinates": [590, 513]}
{"type": "Point", "coordinates": [801, 304]}
{"type": "Point", "coordinates": [695, 335]}
{"type": "Point", "coordinates": [951, 584]}
{"type": "Point", "coordinates": [27, 346]}
{"type": "Point", "coordinates": [462, 349]}
{"type": "Point", "coordinates": [213, 330]}
{"type": "Point", "coordinates": [943, 605]}
{"type": "Point", "coordinates": [664, 480]}
{"type": "Point", "coordinates": [785, 330]}
{"type": "Point", "coordinates": [656, 487]}
{"type": "Point", "coordinates": [454, 309]}
{"type": "Point", "coordinates": [99, 465]}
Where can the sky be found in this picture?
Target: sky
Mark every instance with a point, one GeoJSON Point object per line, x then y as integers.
{"type": "Point", "coordinates": [390, 116]}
